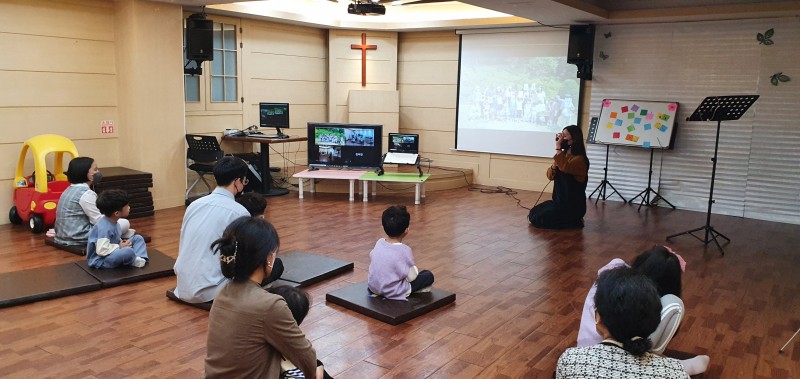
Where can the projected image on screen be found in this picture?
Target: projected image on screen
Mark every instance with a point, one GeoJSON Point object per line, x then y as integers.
{"type": "Point", "coordinates": [516, 91]}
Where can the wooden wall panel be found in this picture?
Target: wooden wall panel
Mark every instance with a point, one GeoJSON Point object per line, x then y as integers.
{"type": "Point", "coordinates": [89, 19]}
{"type": "Point", "coordinates": [57, 89]}
{"type": "Point", "coordinates": [44, 53]}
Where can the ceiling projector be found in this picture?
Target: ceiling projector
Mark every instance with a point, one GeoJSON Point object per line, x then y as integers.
{"type": "Point", "coordinates": [365, 8]}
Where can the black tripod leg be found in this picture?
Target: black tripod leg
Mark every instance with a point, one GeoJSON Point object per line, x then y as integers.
{"type": "Point", "coordinates": [616, 192]}
{"type": "Point", "coordinates": [599, 186]}
{"type": "Point", "coordinates": [689, 232]}
{"type": "Point", "coordinates": [659, 197]}
{"type": "Point", "coordinates": [720, 234]}
{"type": "Point", "coordinates": [640, 194]}
{"type": "Point", "coordinates": [714, 235]}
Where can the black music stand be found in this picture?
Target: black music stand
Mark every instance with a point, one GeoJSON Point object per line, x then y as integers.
{"type": "Point", "coordinates": [717, 108]}
{"type": "Point", "coordinates": [605, 183]}
{"type": "Point", "coordinates": [649, 190]}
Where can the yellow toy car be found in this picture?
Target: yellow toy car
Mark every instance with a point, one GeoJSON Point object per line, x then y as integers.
{"type": "Point", "coordinates": [36, 196]}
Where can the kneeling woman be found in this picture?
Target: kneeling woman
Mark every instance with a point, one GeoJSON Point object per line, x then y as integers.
{"type": "Point", "coordinates": [250, 329]}
{"type": "Point", "coordinates": [569, 173]}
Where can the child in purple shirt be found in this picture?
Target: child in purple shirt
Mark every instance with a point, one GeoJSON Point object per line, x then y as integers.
{"type": "Point", "coordinates": [392, 273]}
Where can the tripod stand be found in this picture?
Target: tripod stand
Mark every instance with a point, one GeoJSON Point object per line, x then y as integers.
{"type": "Point", "coordinates": [602, 186]}
{"type": "Point", "coordinates": [647, 191]}
{"type": "Point", "coordinates": [717, 108]}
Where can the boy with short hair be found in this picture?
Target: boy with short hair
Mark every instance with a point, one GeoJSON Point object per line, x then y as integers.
{"type": "Point", "coordinates": [106, 248]}
{"type": "Point", "coordinates": [253, 202]}
{"type": "Point", "coordinates": [392, 273]}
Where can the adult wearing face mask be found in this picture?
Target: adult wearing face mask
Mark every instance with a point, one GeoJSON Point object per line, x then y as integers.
{"type": "Point", "coordinates": [569, 173]}
{"type": "Point", "coordinates": [77, 210]}
{"type": "Point", "coordinates": [197, 267]}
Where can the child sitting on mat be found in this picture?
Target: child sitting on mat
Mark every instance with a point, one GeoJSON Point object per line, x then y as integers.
{"type": "Point", "coordinates": [106, 247]}
{"type": "Point", "coordinates": [298, 302]}
{"type": "Point", "coordinates": [392, 273]}
{"type": "Point", "coordinates": [253, 202]}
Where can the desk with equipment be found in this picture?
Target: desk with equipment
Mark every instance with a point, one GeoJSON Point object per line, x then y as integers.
{"type": "Point", "coordinates": [263, 160]}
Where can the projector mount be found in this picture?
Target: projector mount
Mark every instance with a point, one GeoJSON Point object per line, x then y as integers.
{"type": "Point", "coordinates": [377, 7]}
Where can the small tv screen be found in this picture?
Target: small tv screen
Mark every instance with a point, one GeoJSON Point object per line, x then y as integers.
{"type": "Point", "coordinates": [273, 115]}
{"type": "Point", "coordinates": [344, 145]}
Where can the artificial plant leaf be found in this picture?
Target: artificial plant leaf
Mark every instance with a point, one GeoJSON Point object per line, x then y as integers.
{"type": "Point", "coordinates": [760, 37]}
{"type": "Point", "coordinates": [769, 33]}
{"type": "Point", "coordinates": [783, 78]}
{"type": "Point", "coordinates": [768, 42]}
{"type": "Point", "coordinates": [774, 80]}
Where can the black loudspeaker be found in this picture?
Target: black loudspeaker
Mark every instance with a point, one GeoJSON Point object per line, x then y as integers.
{"type": "Point", "coordinates": [581, 44]}
{"type": "Point", "coordinates": [199, 38]}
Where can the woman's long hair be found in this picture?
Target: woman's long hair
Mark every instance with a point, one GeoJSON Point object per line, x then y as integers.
{"type": "Point", "coordinates": [578, 146]}
{"type": "Point", "coordinates": [245, 246]}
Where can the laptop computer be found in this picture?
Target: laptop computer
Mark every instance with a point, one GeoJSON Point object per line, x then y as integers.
{"type": "Point", "coordinates": [403, 149]}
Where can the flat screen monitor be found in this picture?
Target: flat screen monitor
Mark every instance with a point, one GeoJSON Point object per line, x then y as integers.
{"type": "Point", "coordinates": [344, 145]}
{"type": "Point", "coordinates": [273, 115]}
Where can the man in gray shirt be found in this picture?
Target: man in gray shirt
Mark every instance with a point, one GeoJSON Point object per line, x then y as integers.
{"type": "Point", "coordinates": [197, 267]}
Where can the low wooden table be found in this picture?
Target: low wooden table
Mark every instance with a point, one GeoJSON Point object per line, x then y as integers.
{"type": "Point", "coordinates": [399, 177]}
{"type": "Point", "coordinates": [351, 175]}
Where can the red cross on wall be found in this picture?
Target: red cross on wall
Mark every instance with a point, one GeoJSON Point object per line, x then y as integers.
{"type": "Point", "coordinates": [363, 47]}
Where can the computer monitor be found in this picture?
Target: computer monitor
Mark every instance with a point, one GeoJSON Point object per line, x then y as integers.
{"type": "Point", "coordinates": [274, 115]}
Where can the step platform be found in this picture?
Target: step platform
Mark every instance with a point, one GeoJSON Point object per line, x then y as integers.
{"type": "Point", "coordinates": [357, 298]}
{"type": "Point", "coordinates": [306, 269]}
{"type": "Point", "coordinates": [44, 283]}
{"type": "Point", "coordinates": [158, 266]}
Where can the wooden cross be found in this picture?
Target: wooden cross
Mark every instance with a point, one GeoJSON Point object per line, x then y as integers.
{"type": "Point", "coordinates": [363, 47]}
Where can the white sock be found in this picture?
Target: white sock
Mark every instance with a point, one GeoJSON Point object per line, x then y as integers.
{"type": "Point", "coordinates": [696, 365]}
{"type": "Point", "coordinates": [426, 289]}
{"type": "Point", "coordinates": [139, 262]}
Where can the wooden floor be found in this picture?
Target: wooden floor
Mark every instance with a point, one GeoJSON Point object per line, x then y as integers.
{"type": "Point", "coordinates": [520, 293]}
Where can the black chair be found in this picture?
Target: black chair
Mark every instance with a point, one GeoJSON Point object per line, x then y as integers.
{"type": "Point", "coordinates": [201, 156]}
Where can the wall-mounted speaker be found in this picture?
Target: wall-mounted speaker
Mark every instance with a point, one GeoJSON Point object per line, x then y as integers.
{"type": "Point", "coordinates": [581, 44]}
{"type": "Point", "coordinates": [199, 38]}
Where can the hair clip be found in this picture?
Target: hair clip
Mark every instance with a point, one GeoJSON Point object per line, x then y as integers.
{"type": "Point", "coordinates": [636, 338]}
{"type": "Point", "coordinates": [227, 259]}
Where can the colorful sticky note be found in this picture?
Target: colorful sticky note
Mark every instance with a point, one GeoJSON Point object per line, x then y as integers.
{"type": "Point", "coordinates": [629, 137]}
{"type": "Point", "coordinates": [637, 120]}
{"type": "Point", "coordinates": [631, 116]}
{"type": "Point", "coordinates": [618, 123]}
{"type": "Point", "coordinates": [613, 114]}
{"type": "Point", "coordinates": [635, 108]}
{"type": "Point", "coordinates": [610, 126]}
{"type": "Point", "coordinates": [631, 128]}
{"type": "Point", "coordinates": [606, 103]}
{"type": "Point", "coordinates": [660, 115]}
{"type": "Point", "coordinates": [646, 144]}
{"type": "Point", "coordinates": [648, 127]}
{"type": "Point", "coordinates": [663, 128]}
{"type": "Point", "coordinates": [616, 135]}
{"type": "Point", "coordinates": [664, 117]}
{"type": "Point", "coordinates": [635, 138]}
{"type": "Point", "coordinates": [658, 125]}
{"type": "Point", "coordinates": [624, 109]}
{"type": "Point", "coordinates": [649, 116]}
{"type": "Point", "coordinates": [643, 112]}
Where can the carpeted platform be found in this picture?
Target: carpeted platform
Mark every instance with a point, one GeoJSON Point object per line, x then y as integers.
{"type": "Point", "coordinates": [306, 269]}
{"type": "Point", "coordinates": [77, 249]}
{"type": "Point", "coordinates": [44, 283]}
{"type": "Point", "coordinates": [357, 298]}
{"type": "Point", "coordinates": [158, 266]}
{"type": "Point", "coordinates": [203, 306]}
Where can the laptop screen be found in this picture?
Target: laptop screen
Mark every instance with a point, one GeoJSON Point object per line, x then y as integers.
{"type": "Point", "coordinates": [404, 143]}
